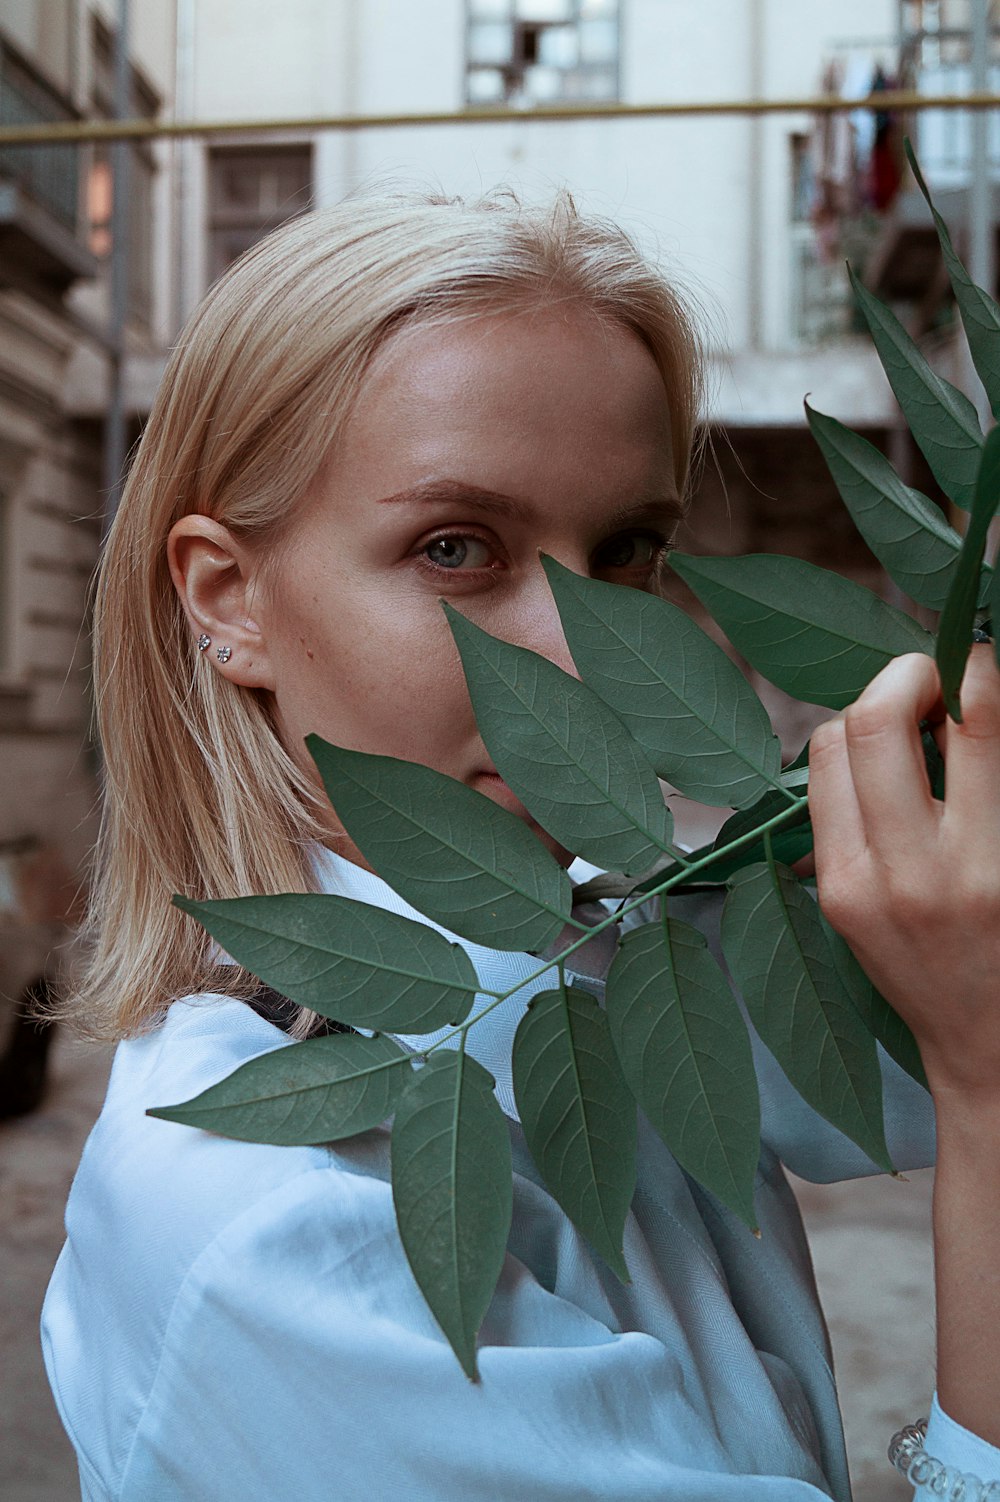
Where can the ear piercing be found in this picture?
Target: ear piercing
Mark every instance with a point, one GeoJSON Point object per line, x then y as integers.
{"type": "Point", "coordinates": [222, 653]}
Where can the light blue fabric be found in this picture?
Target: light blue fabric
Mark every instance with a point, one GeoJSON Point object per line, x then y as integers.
{"type": "Point", "coordinates": [232, 1321]}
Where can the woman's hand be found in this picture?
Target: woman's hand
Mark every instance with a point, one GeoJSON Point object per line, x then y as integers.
{"type": "Point", "coordinates": [913, 884]}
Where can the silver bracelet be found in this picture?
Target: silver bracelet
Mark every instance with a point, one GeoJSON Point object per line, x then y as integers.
{"type": "Point", "coordinates": [907, 1454]}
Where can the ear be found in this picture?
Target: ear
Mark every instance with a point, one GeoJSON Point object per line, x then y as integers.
{"type": "Point", "coordinates": [215, 575]}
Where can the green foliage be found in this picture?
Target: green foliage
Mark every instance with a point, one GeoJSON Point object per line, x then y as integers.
{"type": "Point", "coordinates": [453, 1192]}
{"type": "Point", "coordinates": [655, 696]}
{"type": "Point", "coordinates": [317, 1091]}
{"type": "Point", "coordinates": [979, 313]}
{"type": "Point", "coordinates": [565, 755]}
{"type": "Point", "coordinates": [818, 636]}
{"type": "Point", "coordinates": [905, 531]}
{"type": "Point", "coordinates": [578, 1114]}
{"type": "Point", "coordinates": [887, 1026]}
{"type": "Point", "coordinates": [689, 707]}
{"type": "Point", "coordinates": [455, 855]}
{"type": "Point", "coordinates": [777, 950]}
{"type": "Point", "coordinates": [683, 1046]}
{"type": "Point", "coordinates": [955, 633]}
{"type": "Point", "coordinates": [346, 960]}
{"type": "Point", "coordinates": [941, 418]}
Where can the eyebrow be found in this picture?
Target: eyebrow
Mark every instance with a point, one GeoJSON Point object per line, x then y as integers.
{"type": "Point", "coordinates": [447, 491]}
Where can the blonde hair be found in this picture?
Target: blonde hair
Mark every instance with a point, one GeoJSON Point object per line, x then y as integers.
{"type": "Point", "coordinates": [201, 796]}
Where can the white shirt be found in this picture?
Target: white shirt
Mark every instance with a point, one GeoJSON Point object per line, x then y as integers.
{"type": "Point", "coordinates": [231, 1321]}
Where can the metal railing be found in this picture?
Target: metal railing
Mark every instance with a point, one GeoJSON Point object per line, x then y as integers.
{"type": "Point", "coordinates": [77, 132]}
{"type": "Point", "coordinates": [48, 172]}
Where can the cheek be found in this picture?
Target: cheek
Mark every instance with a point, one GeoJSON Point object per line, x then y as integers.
{"type": "Point", "coordinates": [382, 678]}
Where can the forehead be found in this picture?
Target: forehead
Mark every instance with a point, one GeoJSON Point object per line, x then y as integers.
{"type": "Point", "coordinates": [534, 397]}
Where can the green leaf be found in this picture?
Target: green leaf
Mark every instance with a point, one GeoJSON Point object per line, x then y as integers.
{"type": "Point", "coordinates": [934, 762]}
{"type": "Point", "coordinates": [563, 753]}
{"type": "Point", "coordinates": [578, 1116]}
{"type": "Point", "coordinates": [906, 532]}
{"type": "Point", "coordinates": [455, 855]}
{"type": "Point", "coordinates": [876, 1013]}
{"type": "Point", "coordinates": [789, 843]}
{"type": "Point", "coordinates": [818, 636]}
{"type": "Point", "coordinates": [980, 314]}
{"type": "Point", "coordinates": [317, 1091]}
{"type": "Point", "coordinates": [344, 959]}
{"type": "Point", "coordinates": [689, 707]}
{"type": "Point", "coordinates": [955, 628]}
{"type": "Point", "coordinates": [775, 946]}
{"type": "Point", "coordinates": [684, 1050]}
{"type": "Point", "coordinates": [943, 421]}
{"type": "Point", "coordinates": [453, 1191]}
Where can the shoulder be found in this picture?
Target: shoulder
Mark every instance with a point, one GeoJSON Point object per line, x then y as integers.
{"type": "Point", "coordinates": [150, 1174]}
{"type": "Point", "coordinates": [153, 1203]}
{"type": "Point", "coordinates": [146, 1183]}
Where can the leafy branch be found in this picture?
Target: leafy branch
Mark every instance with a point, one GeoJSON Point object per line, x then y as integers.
{"type": "Point", "coordinates": [656, 698]}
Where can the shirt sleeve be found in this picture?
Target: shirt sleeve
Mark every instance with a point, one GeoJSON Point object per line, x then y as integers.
{"type": "Point", "coordinates": [958, 1449]}
{"type": "Point", "coordinates": [300, 1360]}
{"type": "Point", "coordinates": [802, 1139]}
{"type": "Point", "coordinates": [817, 1151]}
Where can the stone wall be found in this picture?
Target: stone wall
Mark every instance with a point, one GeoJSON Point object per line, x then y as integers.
{"type": "Point", "coordinates": [50, 493]}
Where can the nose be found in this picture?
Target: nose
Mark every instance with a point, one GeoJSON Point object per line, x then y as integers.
{"type": "Point", "coordinates": [538, 626]}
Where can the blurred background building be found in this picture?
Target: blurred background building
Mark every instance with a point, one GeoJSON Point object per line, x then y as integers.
{"type": "Point", "coordinates": [753, 213]}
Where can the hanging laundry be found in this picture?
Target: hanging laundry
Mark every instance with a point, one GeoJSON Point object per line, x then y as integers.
{"type": "Point", "coordinates": [856, 155]}
{"type": "Point", "coordinates": [833, 167]}
{"type": "Point", "coordinates": [885, 172]}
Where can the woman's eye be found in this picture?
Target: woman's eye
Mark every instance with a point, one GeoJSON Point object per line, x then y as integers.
{"type": "Point", "coordinates": [630, 550]}
{"type": "Point", "coordinates": [458, 552]}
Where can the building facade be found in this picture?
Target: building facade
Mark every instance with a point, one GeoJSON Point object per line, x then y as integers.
{"type": "Point", "coordinates": [55, 65]}
{"type": "Point", "coordinates": [752, 215]}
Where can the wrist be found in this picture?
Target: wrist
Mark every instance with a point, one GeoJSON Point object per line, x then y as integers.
{"type": "Point", "coordinates": [968, 1114]}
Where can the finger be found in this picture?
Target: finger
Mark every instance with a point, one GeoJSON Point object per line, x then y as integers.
{"type": "Point", "coordinates": [838, 833]}
{"type": "Point", "coordinates": [972, 749]}
{"type": "Point", "coordinates": [886, 755]}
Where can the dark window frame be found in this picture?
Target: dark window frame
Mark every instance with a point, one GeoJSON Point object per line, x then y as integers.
{"type": "Point", "coordinates": [232, 228]}
{"type": "Point", "coordinates": [526, 35]}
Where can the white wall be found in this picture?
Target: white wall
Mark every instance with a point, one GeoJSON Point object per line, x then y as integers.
{"type": "Point", "coordinates": [709, 195]}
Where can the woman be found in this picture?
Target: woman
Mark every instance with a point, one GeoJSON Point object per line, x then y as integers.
{"type": "Point", "coordinates": [382, 405]}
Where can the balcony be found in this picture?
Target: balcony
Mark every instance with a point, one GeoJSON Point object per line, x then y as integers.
{"type": "Point", "coordinates": [39, 186]}
{"type": "Point", "coordinates": [906, 264]}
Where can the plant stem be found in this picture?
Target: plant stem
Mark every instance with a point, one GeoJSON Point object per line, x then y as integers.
{"type": "Point", "coordinates": [684, 874]}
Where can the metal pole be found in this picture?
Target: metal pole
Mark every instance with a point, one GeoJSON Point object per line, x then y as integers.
{"type": "Point", "coordinates": [114, 428]}
{"type": "Point", "coordinates": [184, 226]}
{"type": "Point", "coordinates": [152, 130]}
{"type": "Point", "coordinates": [755, 178]}
{"type": "Point", "coordinates": [981, 246]}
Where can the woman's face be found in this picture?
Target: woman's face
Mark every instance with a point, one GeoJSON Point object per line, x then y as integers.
{"type": "Point", "coordinates": [471, 449]}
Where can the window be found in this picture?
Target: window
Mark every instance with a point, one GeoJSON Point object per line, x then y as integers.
{"type": "Point", "coordinates": [253, 189]}
{"type": "Point", "coordinates": [822, 304]}
{"type": "Point", "coordinates": [145, 104]}
{"type": "Point", "coordinates": [48, 173]}
{"type": "Point", "coordinates": [525, 52]}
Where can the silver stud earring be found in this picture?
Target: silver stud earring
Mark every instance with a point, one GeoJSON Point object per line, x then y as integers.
{"type": "Point", "coordinates": [204, 642]}
{"type": "Point", "coordinates": [224, 654]}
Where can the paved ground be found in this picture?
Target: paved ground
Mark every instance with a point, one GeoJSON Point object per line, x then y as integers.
{"type": "Point", "coordinates": [870, 1241]}
{"type": "Point", "coordinates": [38, 1156]}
